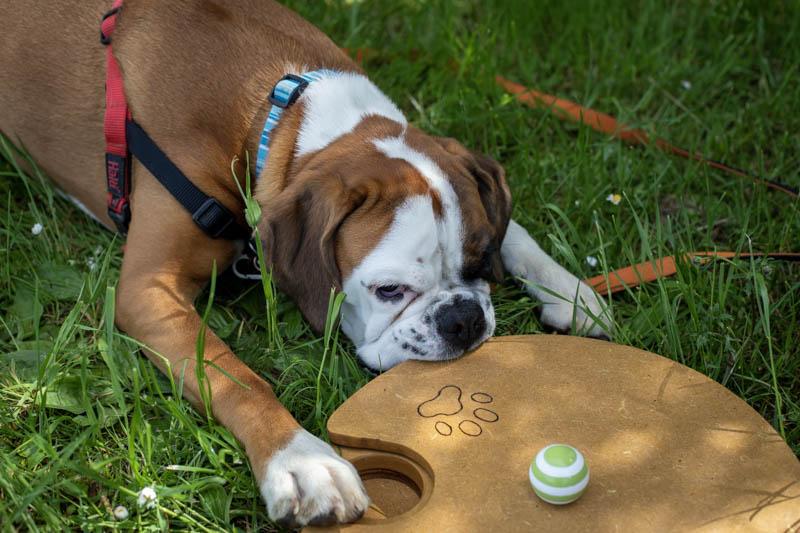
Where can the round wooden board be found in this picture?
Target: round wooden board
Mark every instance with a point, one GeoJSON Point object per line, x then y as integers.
{"type": "Point", "coordinates": [668, 449]}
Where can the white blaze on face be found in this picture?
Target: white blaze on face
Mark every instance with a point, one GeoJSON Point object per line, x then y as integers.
{"type": "Point", "coordinates": [409, 253]}
{"type": "Point", "coordinates": [422, 253]}
{"type": "Point", "coordinates": [450, 228]}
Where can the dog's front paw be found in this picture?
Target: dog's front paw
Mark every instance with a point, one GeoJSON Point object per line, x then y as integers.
{"type": "Point", "coordinates": [307, 483]}
{"type": "Point", "coordinates": [574, 306]}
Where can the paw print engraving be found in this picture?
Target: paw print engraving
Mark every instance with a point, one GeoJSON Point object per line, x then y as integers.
{"type": "Point", "coordinates": [448, 402]}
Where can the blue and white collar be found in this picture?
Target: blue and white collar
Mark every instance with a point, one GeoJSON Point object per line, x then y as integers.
{"type": "Point", "coordinates": [284, 94]}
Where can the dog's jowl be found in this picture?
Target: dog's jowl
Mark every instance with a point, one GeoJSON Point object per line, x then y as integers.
{"type": "Point", "coordinates": [413, 228]}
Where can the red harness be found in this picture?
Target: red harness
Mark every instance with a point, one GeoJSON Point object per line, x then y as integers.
{"type": "Point", "coordinates": [125, 137]}
{"type": "Point", "coordinates": [118, 167]}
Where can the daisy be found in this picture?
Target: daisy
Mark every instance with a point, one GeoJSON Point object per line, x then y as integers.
{"type": "Point", "coordinates": [147, 498]}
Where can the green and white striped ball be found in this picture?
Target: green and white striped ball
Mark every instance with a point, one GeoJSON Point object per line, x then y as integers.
{"type": "Point", "coordinates": [559, 474]}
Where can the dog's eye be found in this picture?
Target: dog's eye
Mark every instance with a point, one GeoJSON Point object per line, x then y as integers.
{"type": "Point", "coordinates": [390, 293]}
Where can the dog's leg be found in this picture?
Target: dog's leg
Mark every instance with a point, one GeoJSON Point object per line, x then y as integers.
{"type": "Point", "coordinates": [555, 287]}
{"type": "Point", "coordinates": [166, 265]}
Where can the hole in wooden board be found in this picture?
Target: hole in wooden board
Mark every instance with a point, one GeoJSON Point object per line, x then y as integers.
{"type": "Point", "coordinates": [391, 493]}
{"type": "Point", "coordinates": [393, 483]}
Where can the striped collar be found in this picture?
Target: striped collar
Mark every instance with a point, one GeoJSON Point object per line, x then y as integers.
{"type": "Point", "coordinates": [284, 94]}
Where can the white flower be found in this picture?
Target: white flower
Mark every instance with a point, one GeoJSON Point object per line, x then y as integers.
{"type": "Point", "coordinates": [37, 228]}
{"type": "Point", "coordinates": [147, 498]}
{"type": "Point", "coordinates": [120, 512]}
{"type": "Point", "coordinates": [686, 84]}
{"type": "Point", "coordinates": [591, 261]}
{"type": "Point", "coordinates": [614, 198]}
{"type": "Point", "coordinates": [94, 260]}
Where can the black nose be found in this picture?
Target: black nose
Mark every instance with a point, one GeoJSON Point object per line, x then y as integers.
{"type": "Point", "coordinates": [460, 323]}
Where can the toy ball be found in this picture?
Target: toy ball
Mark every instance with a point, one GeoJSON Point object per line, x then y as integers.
{"type": "Point", "coordinates": [559, 474]}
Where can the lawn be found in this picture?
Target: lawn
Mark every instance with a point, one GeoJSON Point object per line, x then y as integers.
{"type": "Point", "coordinates": [86, 421]}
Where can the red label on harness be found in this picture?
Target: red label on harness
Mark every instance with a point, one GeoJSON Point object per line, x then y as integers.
{"type": "Point", "coordinates": [112, 170]}
{"type": "Point", "coordinates": [116, 175]}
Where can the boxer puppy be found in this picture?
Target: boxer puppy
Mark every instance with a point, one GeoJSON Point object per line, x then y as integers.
{"type": "Point", "coordinates": [411, 227]}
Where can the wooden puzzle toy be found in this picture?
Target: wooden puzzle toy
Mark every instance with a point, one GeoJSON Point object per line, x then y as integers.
{"type": "Point", "coordinates": [447, 446]}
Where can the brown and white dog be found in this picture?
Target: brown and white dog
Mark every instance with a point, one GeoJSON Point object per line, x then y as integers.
{"type": "Point", "coordinates": [411, 227]}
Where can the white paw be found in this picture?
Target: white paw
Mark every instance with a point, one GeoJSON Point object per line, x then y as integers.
{"type": "Point", "coordinates": [308, 483]}
{"type": "Point", "coordinates": [571, 305]}
{"type": "Point", "coordinates": [568, 304]}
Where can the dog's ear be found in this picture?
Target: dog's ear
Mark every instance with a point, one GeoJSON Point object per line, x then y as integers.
{"type": "Point", "coordinates": [299, 230]}
{"type": "Point", "coordinates": [495, 197]}
{"type": "Point", "coordinates": [494, 191]}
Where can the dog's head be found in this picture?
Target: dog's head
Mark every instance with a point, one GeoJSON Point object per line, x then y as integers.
{"type": "Point", "coordinates": [409, 226]}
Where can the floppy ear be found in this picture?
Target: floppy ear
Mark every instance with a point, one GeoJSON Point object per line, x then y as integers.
{"type": "Point", "coordinates": [299, 232]}
{"type": "Point", "coordinates": [495, 197]}
{"type": "Point", "coordinates": [494, 191]}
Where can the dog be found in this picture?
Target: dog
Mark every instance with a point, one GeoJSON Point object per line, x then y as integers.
{"type": "Point", "coordinates": [413, 228]}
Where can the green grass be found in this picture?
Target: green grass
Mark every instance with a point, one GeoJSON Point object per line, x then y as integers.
{"type": "Point", "coordinates": [86, 421]}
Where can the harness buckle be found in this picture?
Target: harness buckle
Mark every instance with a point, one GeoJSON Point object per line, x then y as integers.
{"type": "Point", "coordinates": [285, 100]}
{"type": "Point", "coordinates": [213, 218]}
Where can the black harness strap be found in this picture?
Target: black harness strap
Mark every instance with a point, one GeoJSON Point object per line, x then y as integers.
{"type": "Point", "coordinates": [210, 215]}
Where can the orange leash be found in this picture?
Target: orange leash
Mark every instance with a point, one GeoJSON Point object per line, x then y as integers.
{"type": "Point", "coordinates": [634, 275]}
{"type": "Point", "coordinates": [567, 110]}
